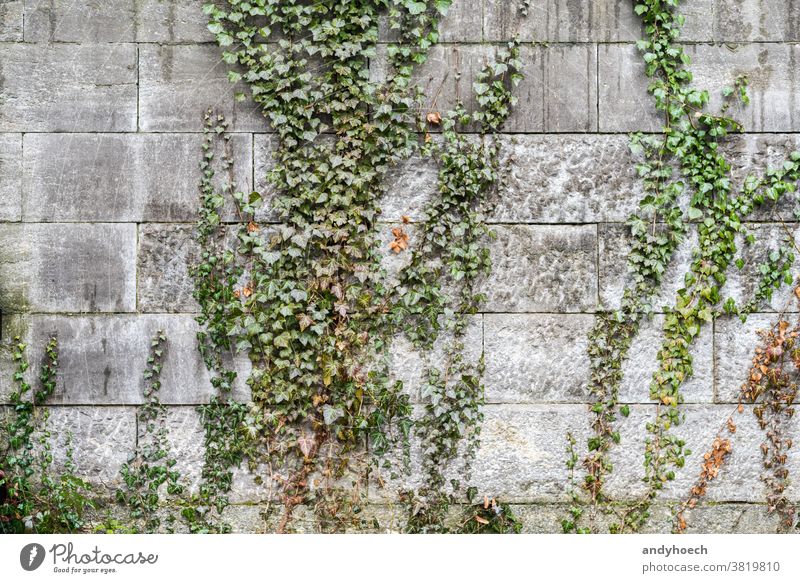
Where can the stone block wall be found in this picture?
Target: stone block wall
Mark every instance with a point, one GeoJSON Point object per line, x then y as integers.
{"type": "Point", "coordinates": [101, 114]}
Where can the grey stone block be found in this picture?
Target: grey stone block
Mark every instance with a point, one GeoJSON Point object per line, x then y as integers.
{"type": "Point", "coordinates": [165, 255]}
{"type": "Point", "coordinates": [614, 247]}
{"type": "Point", "coordinates": [79, 21]}
{"type": "Point", "coordinates": [67, 268]}
{"type": "Point", "coordinates": [734, 348]}
{"type": "Point", "coordinates": [102, 439]}
{"type": "Point", "coordinates": [77, 87]}
{"type": "Point", "coordinates": [558, 93]}
{"type": "Point", "coordinates": [178, 83]}
{"type": "Point", "coordinates": [536, 358]}
{"type": "Point", "coordinates": [625, 104]}
{"type": "Point", "coordinates": [561, 21]}
{"type": "Point", "coordinates": [10, 173]}
{"type": "Point", "coordinates": [542, 269]}
{"type": "Point", "coordinates": [642, 362]}
{"type": "Point", "coordinates": [102, 359]}
{"type": "Point", "coordinates": [568, 179]}
{"type": "Point", "coordinates": [121, 177]}
{"type": "Point", "coordinates": [11, 14]}
{"type": "Point", "coordinates": [168, 21]}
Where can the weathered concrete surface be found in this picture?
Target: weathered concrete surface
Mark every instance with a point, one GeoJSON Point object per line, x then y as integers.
{"type": "Point", "coordinates": [88, 87]}
{"type": "Point", "coordinates": [121, 177]}
{"type": "Point", "coordinates": [462, 24]}
{"type": "Point", "coordinates": [10, 172]}
{"type": "Point", "coordinates": [68, 268]}
{"type": "Point", "coordinates": [102, 359]}
{"type": "Point", "coordinates": [11, 12]}
{"type": "Point", "coordinates": [734, 348]}
{"type": "Point", "coordinates": [178, 83]}
{"type": "Point", "coordinates": [542, 269]}
{"type": "Point", "coordinates": [79, 21]}
{"type": "Point", "coordinates": [625, 105]}
{"type": "Point", "coordinates": [168, 21]}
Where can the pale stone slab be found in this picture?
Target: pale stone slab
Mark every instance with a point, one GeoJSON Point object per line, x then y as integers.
{"type": "Point", "coordinates": [463, 23]}
{"type": "Point", "coordinates": [10, 173]}
{"type": "Point", "coordinates": [121, 177]}
{"type": "Point", "coordinates": [68, 268]}
{"type": "Point", "coordinates": [79, 21]}
{"type": "Point", "coordinates": [178, 83]}
{"type": "Point", "coordinates": [542, 268]}
{"type": "Point", "coordinates": [88, 87]}
{"type": "Point", "coordinates": [537, 358]}
{"type": "Point", "coordinates": [102, 359]}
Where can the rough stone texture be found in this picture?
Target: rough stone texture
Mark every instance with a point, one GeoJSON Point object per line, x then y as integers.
{"type": "Point", "coordinates": [79, 21]}
{"type": "Point", "coordinates": [568, 179]}
{"type": "Point", "coordinates": [536, 358]}
{"type": "Point", "coordinates": [771, 68]}
{"type": "Point", "coordinates": [165, 254]}
{"type": "Point", "coordinates": [119, 177]}
{"type": "Point", "coordinates": [11, 12]}
{"type": "Point", "coordinates": [87, 87]}
{"type": "Point", "coordinates": [734, 348]}
{"type": "Point", "coordinates": [10, 172]}
{"type": "Point", "coordinates": [67, 268]}
{"type": "Point", "coordinates": [462, 24]}
{"type": "Point", "coordinates": [103, 438]}
{"type": "Point", "coordinates": [102, 359]}
{"type": "Point", "coordinates": [542, 269]}
{"type": "Point", "coordinates": [178, 83]}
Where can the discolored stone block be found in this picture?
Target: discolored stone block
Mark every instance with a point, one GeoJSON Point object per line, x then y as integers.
{"type": "Point", "coordinates": [178, 83]}
{"type": "Point", "coordinates": [542, 269]}
{"type": "Point", "coordinates": [67, 268]}
{"type": "Point", "coordinates": [79, 21]}
{"type": "Point", "coordinates": [122, 177]}
{"type": "Point", "coordinates": [735, 343]}
{"type": "Point", "coordinates": [10, 173]}
{"type": "Point", "coordinates": [102, 359]}
{"type": "Point", "coordinates": [88, 87]}
{"type": "Point", "coordinates": [537, 358]}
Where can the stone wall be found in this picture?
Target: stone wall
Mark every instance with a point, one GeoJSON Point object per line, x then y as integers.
{"type": "Point", "coordinates": [101, 109]}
